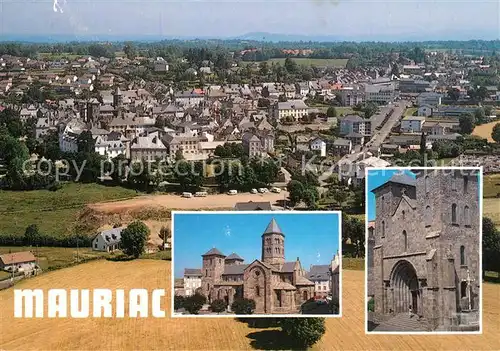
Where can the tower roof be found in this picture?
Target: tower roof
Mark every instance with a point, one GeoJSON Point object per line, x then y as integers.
{"type": "Point", "coordinates": [399, 178]}
{"type": "Point", "coordinates": [214, 252]}
{"type": "Point", "coordinates": [273, 228]}
{"type": "Point", "coordinates": [234, 256]}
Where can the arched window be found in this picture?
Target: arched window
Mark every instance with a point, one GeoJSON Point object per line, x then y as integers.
{"type": "Point", "coordinates": [405, 240]}
{"type": "Point", "coordinates": [257, 291]}
{"type": "Point", "coordinates": [454, 213]}
{"type": "Point", "coordinates": [466, 184]}
{"type": "Point", "coordinates": [453, 183]}
{"type": "Point", "coordinates": [305, 297]}
{"type": "Point", "coordinates": [462, 256]}
{"type": "Point", "coordinates": [428, 216]}
{"type": "Point", "coordinates": [426, 184]}
{"type": "Point", "coordinates": [403, 214]}
{"type": "Point", "coordinates": [467, 216]}
{"type": "Point", "coordinates": [383, 229]}
{"type": "Point", "coordinates": [383, 203]}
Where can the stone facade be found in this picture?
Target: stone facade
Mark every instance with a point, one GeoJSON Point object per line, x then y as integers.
{"type": "Point", "coordinates": [424, 251]}
{"type": "Point", "coordinates": [276, 286]}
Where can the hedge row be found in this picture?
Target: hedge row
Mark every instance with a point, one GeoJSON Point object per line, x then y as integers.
{"type": "Point", "coordinates": [46, 240]}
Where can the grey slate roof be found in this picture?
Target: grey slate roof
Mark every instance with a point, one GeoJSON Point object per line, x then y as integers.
{"type": "Point", "coordinates": [192, 272]}
{"type": "Point", "coordinates": [273, 228]}
{"type": "Point", "coordinates": [112, 236]}
{"type": "Point", "coordinates": [399, 178]}
{"type": "Point", "coordinates": [214, 251]}
{"type": "Point", "coordinates": [319, 272]}
{"type": "Point", "coordinates": [234, 269]}
{"type": "Point", "coordinates": [234, 256]}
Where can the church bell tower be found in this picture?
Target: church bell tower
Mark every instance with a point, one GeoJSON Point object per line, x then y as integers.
{"type": "Point", "coordinates": [273, 245]}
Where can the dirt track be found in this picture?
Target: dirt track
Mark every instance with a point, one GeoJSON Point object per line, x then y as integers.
{"type": "Point", "coordinates": [180, 203]}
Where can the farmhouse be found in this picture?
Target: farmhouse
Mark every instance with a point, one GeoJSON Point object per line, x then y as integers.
{"type": "Point", "coordinates": [18, 261]}
{"type": "Point", "coordinates": [107, 240]}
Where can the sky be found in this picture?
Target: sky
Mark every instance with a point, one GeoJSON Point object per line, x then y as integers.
{"type": "Point", "coordinates": [378, 177]}
{"type": "Point", "coordinates": [355, 19]}
{"type": "Point", "coordinates": [313, 237]}
{"type": "Point", "coordinates": [375, 178]}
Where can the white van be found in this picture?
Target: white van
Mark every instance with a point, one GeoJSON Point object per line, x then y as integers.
{"type": "Point", "coordinates": [276, 190]}
{"type": "Point", "coordinates": [201, 194]}
{"type": "Point", "coordinates": [232, 192]}
{"type": "Point", "coordinates": [187, 195]}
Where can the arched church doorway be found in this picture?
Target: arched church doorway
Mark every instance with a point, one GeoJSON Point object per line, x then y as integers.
{"type": "Point", "coordinates": [404, 289]}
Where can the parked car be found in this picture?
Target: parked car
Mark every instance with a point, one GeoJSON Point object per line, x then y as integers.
{"type": "Point", "coordinates": [263, 190]}
{"type": "Point", "coordinates": [187, 195]}
{"type": "Point", "coordinates": [253, 191]}
{"type": "Point", "coordinates": [201, 194]}
{"type": "Point", "coordinates": [232, 192]}
{"type": "Point", "coordinates": [276, 190]}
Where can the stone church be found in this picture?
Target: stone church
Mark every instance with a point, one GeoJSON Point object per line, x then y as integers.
{"type": "Point", "coordinates": [276, 286]}
{"type": "Point", "coordinates": [423, 252]}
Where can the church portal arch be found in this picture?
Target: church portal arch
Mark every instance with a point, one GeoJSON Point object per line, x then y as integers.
{"type": "Point", "coordinates": [405, 291]}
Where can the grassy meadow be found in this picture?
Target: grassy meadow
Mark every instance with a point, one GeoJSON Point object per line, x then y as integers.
{"type": "Point", "coordinates": [55, 212]}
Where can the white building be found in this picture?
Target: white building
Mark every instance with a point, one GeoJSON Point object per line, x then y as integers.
{"type": "Point", "coordinates": [320, 276]}
{"type": "Point", "coordinates": [412, 124]}
{"type": "Point", "coordinates": [429, 98]}
{"type": "Point", "coordinates": [107, 240]}
{"type": "Point", "coordinates": [18, 261]}
{"type": "Point", "coordinates": [319, 145]}
{"type": "Point", "coordinates": [383, 94]}
{"type": "Point", "coordinates": [192, 281]}
{"type": "Point", "coordinates": [295, 109]}
{"type": "Point", "coordinates": [352, 167]}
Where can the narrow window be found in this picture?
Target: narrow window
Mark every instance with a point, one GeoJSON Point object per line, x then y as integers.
{"type": "Point", "coordinates": [453, 183]}
{"type": "Point", "coordinates": [403, 214]}
{"type": "Point", "coordinates": [383, 229]}
{"type": "Point", "coordinates": [467, 216]}
{"type": "Point", "coordinates": [426, 184]}
{"type": "Point", "coordinates": [405, 240]}
{"type": "Point", "coordinates": [466, 184]}
{"type": "Point", "coordinates": [454, 213]}
{"type": "Point", "coordinates": [428, 216]}
{"type": "Point", "coordinates": [463, 289]}
{"type": "Point", "coordinates": [462, 256]}
{"type": "Point", "coordinates": [257, 291]}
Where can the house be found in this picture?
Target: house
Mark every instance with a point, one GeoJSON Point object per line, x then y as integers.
{"type": "Point", "coordinates": [253, 206]}
{"type": "Point", "coordinates": [192, 280]}
{"type": "Point", "coordinates": [382, 94]}
{"type": "Point", "coordinates": [189, 98]}
{"type": "Point", "coordinates": [425, 110]}
{"type": "Point", "coordinates": [351, 95]}
{"type": "Point", "coordinates": [23, 261]}
{"type": "Point", "coordinates": [414, 85]}
{"type": "Point", "coordinates": [148, 148]}
{"type": "Point", "coordinates": [412, 124]}
{"type": "Point", "coordinates": [320, 276]}
{"type": "Point", "coordinates": [342, 147]}
{"type": "Point", "coordinates": [291, 109]}
{"type": "Point", "coordinates": [319, 145]}
{"type": "Point", "coordinates": [355, 124]}
{"type": "Point", "coordinates": [429, 98]}
{"type": "Point", "coordinates": [107, 240]}
{"type": "Point", "coordinates": [258, 144]}
{"type": "Point", "coordinates": [160, 65]}
{"type": "Point", "coordinates": [179, 287]}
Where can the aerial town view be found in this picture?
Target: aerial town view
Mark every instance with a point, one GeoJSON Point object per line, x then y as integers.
{"type": "Point", "coordinates": [268, 283]}
{"type": "Point", "coordinates": [116, 115]}
{"type": "Point", "coordinates": [423, 250]}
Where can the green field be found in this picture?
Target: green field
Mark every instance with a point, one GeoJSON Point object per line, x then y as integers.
{"type": "Point", "coordinates": [410, 111]}
{"type": "Point", "coordinates": [491, 210]}
{"type": "Point", "coordinates": [51, 56]}
{"type": "Point", "coordinates": [56, 257]}
{"type": "Point", "coordinates": [491, 185]}
{"type": "Point", "coordinates": [357, 264]}
{"type": "Point", "coordinates": [55, 213]}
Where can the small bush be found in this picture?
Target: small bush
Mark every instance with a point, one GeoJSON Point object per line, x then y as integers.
{"type": "Point", "coordinates": [243, 306]}
{"type": "Point", "coordinates": [218, 306]}
{"type": "Point", "coordinates": [305, 331]}
{"type": "Point", "coordinates": [371, 305]}
{"type": "Point", "coordinates": [178, 302]}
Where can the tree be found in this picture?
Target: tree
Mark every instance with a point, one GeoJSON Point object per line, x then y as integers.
{"type": "Point", "coordinates": [243, 306]}
{"type": "Point", "coordinates": [491, 246]}
{"type": "Point", "coordinates": [331, 112]}
{"type": "Point", "coordinates": [296, 191]}
{"type": "Point", "coordinates": [495, 133]}
{"type": "Point", "coordinates": [466, 123]}
{"type": "Point", "coordinates": [85, 142]}
{"type": "Point", "coordinates": [305, 331]}
{"type": "Point", "coordinates": [194, 303]}
{"type": "Point", "coordinates": [129, 50]}
{"type": "Point", "coordinates": [488, 111]}
{"type": "Point", "coordinates": [479, 116]}
{"type": "Point", "coordinates": [454, 94]}
{"type": "Point", "coordinates": [290, 65]}
{"type": "Point", "coordinates": [165, 234]}
{"type": "Point", "coordinates": [353, 229]}
{"type": "Point", "coordinates": [133, 238]}
{"type": "Point", "coordinates": [32, 234]}
{"type": "Point", "coordinates": [218, 306]}
{"type": "Point", "coordinates": [179, 302]}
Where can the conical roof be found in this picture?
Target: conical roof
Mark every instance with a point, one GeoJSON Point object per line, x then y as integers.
{"type": "Point", "coordinates": [273, 228]}
{"type": "Point", "coordinates": [214, 251]}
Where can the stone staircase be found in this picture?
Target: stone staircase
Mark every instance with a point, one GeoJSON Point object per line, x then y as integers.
{"type": "Point", "coordinates": [403, 322]}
